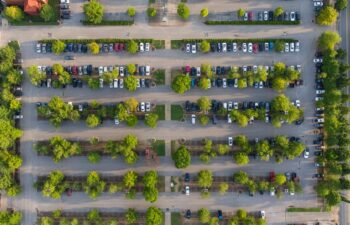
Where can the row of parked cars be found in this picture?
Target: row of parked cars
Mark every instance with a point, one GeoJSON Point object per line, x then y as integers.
{"type": "Point", "coordinates": [269, 16]}
{"type": "Point", "coordinates": [83, 48]}
{"type": "Point", "coordinates": [245, 47]}
{"type": "Point", "coordinates": [90, 70]}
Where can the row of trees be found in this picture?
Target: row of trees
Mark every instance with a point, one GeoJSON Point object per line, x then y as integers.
{"type": "Point", "coordinates": [154, 216]}
{"type": "Point", "coordinates": [16, 14]}
{"type": "Point", "coordinates": [9, 106]}
{"type": "Point", "coordinates": [241, 217]}
{"type": "Point", "coordinates": [10, 218]}
{"type": "Point", "coordinates": [56, 183]}
{"type": "Point", "coordinates": [336, 126]}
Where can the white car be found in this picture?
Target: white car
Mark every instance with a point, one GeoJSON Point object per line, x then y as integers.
{"type": "Point", "coordinates": [234, 47]}
{"type": "Point", "coordinates": [121, 71]}
{"type": "Point", "coordinates": [148, 106]}
{"type": "Point", "coordinates": [147, 47]}
{"type": "Point", "coordinates": [229, 106]}
{"type": "Point", "coordinates": [111, 84]}
{"type": "Point", "coordinates": [224, 47]}
{"type": "Point", "coordinates": [38, 48]}
{"type": "Point", "coordinates": [101, 83]}
{"type": "Point", "coordinates": [188, 48]}
{"type": "Point", "coordinates": [319, 60]}
{"type": "Point", "coordinates": [224, 83]}
{"type": "Point", "coordinates": [193, 48]}
{"type": "Point", "coordinates": [318, 99]}
{"type": "Point", "coordinates": [198, 71]}
{"type": "Point", "coordinates": [306, 153]}
{"type": "Point", "coordinates": [235, 105]}
{"type": "Point", "coordinates": [318, 92]}
{"type": "Point", "coordinates": [236, 83]}
{"type": "Point", "coordinates": [100, 70]}
{"type": "Point", "coordinates": [297, 103]}
{"type": "Point", "coordinates": [230, 141]}
{"type": "Point", "coordinates": [255, 69]}
{"type": "Point", "coordinates": [224, 105]}
{"type": "Point", "coordinates": [64, 1]}
{"type": "Point", "coordinates": [49, 83]}
{"type": "Point", "coordinates": [286, 47]}
{"type": "Point", "coordinates": [121, 83]}
{"type": "Point", "coordinates": [297, 46]}
{"type": "Point", "coordinates": [299, 68]}
{"type": "Point", "coordinates": [116, 121]}
{"type": "Point", "coordinates": [291, 47]}
{"type": "Point", "coordinates": [262, 214]}
{"type": "Point", "coordinates": [229, 120]}
{"type": "Point", "coordinates": [244, 47]}
{"type": "Point", "coordinates": [17, 117]}
{"type": "Point", "coordinates": [187, 190]}
{"type": "Point", "coordinates": [148, 70]}
{"type": "Point", "coordinates": [115, 83]}
{"type": "Point", "coordinates": [193, 119]}
{"type": "Point", "coordinates": [266, 16]}
{"type": "Point", "coordinates": [292, 16]}
{"type": "Point", "coordinates": [250, 47]}
{"type": "Point", "coordinates": [142, 107]}
{"type": "Point", "coordinates": [105, 69]}
{"type": "Point", "coordinates": [138, 83]}
{"type": "Point", "coordinates": [142, 47]}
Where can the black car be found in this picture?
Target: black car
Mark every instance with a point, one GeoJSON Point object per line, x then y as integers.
{"type": "Point", "coordinates": [80, 83]}
{"type": "Point", "coordinates": [187, 177]}
{"type": "Point", "coordinates": [212, 47]}
{"type": "Point", "coordinates": [270, 15]}
{"type": "Point", "coordinates": [230, 82]}
{"type": "Point", "coordinates": [223, 70]}
{"type": "Point", "coordinates": [75, 48]}
{"type": "Point", "coordinates": [214, 119]}
{"type": "Point", "coordinates": [218, 70]}
{"type": "Point", "coordinates": [188, 214]}
{"type": "Point", "coordinates": [319, 175]}
{"type": "Point", "coordinates": [318, 153]}
{"type": "Point", "coordinates": [84, 48]}
{"type": "Point", "coordinates": [297, 16]}
{"type": "Point", "coordinates": [49, 47]}
{"type": "Point", "coordinates": [74, 82]}
{"type": "Point", "coordinates": [300, 121]}
{"type": "Point", "coordinates": [219, 82]}
{"type": "Point", "coordinates": [229, 47]}
{"type": "Point", "coordinates": [261, 47]}
{"type": "Point", "coordinates": [187, 106]}
{"type": "Point", "coordinates": [64, 6]}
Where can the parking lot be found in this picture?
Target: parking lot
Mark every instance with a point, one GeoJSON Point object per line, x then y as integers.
{"type": "Point", "coordinates": [306, 33]}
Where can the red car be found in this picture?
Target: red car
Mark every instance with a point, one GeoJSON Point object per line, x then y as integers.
{"type": "Point", "coordinates": [272, 176]}
{"type": "Point", "coordinates": [187, 69]}
{"type": "Point", "coordinates": [121, 46]}
{"type": "Point", "coordinates": [116, 47]}
{"type": "Point", "coordinates": [74, 70]}
{"type": "Point", "coordinates": [250, 16]}
{"type": "Point", "coordinates": [255, 48]}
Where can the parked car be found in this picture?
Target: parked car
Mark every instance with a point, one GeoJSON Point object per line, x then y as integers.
{"type": "Point", "coordinates": [193, 48]}
{"type": "Point", "coordinates": [193, 119]}
{"type": "Point", "coordinates": [306, 153]}
{"type": "Point", "coordinates": [230, 141]}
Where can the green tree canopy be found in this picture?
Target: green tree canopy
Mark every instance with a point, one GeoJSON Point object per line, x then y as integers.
{"type": "Point", "coordinates": [94, 186]}
{"type": "Point", "coordinates": [130, 83]}
{"type": "Point", "coordinates": [14, 13]}
{"type": "Point", "coordinates": [341, 4]}
{"type": "Point", "coordinates": [35, 75]}
{"type": "Point", "coordinates": [154, 216]}
{"type": "Point", "coordinates": [204, 103]}
{"type": "Point", "coordinates": [54, 185]}
{"type": "Point", "coordinates": [94, 48]}
{"type": "Point", "coordinates": [130, 179]}
{"type": "Point", "coordinates": [181, 83]}
{"type": "Point", "coordinates": [279, 11]}
{"type": "Point", "coordinates": [328, 40]}
{"type": "Point", "coordinates": [327, 16]}
{"type": "Point", "coordinates": [92, 121]}
{"type": "Point", "coordinates": [47, 12]}
{"type": "Point", "coordinates": [8, 134]}
{"type": "Point", "coordinates": [183, 11]}
{"type": "Point", "coordinates": [204, 12]}
{"type": "Point", "coordinates": [204, 215]}
{"type": "Point", "coordinates": [205, 46]}
{"type": "Point", "coordinates": [131, 216]}
{"type": "Point", "coordinates": [151, 12]}
{"type": "Point", "coordinates": [151, 120]}
{"type": "Point", "coordinates": [240, 12]}
{"type": "Point", "coordinates": [132, 47]}
{"type": "Point", "coordinates": [94, 12]}
{"type": "Point", "coordinates": [58, 46]}
{"type": "Point", "coordinates": [131, 11]}
{"type": "Point", "coordinates": [182, 157]}
{"type": "Point", "coordinates": [205, 178]}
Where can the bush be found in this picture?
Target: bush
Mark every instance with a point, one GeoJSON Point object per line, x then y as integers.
{"type": "Point", "coordinates": [278, 11]}
{"type": "Point", "coordinates": [240, 12]}
{"type": "Point", "coordinates": [94, 157]}
{"type": "Point", "coordinates": [47, 13]}
{"type": "Point", "coordinates": [92, 121]}
{"type": "Point", "coordinates": [205, 46]}
{"type": "Point", "coordinates": [58, 46]}
{"type": "Point", "coordinates": [341, 4]}
{"type": "Point", "coordinates": [152, 12]}
{"type": "Point", "coordinates": [14, 13]}
{"type": "Point", "coordinates": [151, 120]}
{"type": "Point", "coordinates": [204, 12]}
{"type": "Point", "coordinates": [183, 11]}
{"type": "Point", "coordinates": [132, 47]}
{"type": "Point", "coordinates": [131, 11]}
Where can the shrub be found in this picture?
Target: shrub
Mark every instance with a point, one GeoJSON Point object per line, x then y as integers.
{"type": "Point", "coordinates": [14, 13]}
{"type": "Point", "coordinates": [183, 11]}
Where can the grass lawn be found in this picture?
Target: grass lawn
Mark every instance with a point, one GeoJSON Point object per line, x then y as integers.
{"type": "Point", "coordinates": [160, 111]}
{"type": "Point", "coordinates": [159, 44]}
{"type": "Point", "coordinates": [159, 147]}
{"type": "Point", "coordinates": [159, 76]}
{"type": "Point", "coordinates": [176, 218]}
{"type": "Point", "coordinates": [304, 209]}
{"type": "Point", "coordinates": [177, 112]}
{"type": "Point", "coordinates": [37, 20]}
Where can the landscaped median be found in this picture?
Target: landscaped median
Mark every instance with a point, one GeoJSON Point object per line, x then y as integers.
{"type": "Point", "coordinates": [95, 113]}
{"type": "Point", "coordinates": [153, 216]}
{"type": "Point", "coordinates": [240, 22]}
{"type": "Point", "coordinates": [56, 183]}
{"type": "Point", "coordinates": [129, 148]}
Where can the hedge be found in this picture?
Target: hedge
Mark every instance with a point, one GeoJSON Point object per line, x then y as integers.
{"type": "Point", "coordinates": [110, 23]}
{"type": "Point", "coordinates": [239, 22]}
{"type": "Point", "coordinates": [177, 44]}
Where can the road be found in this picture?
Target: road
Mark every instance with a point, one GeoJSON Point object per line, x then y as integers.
{"type": "Point", "coordinates": [34, 130]}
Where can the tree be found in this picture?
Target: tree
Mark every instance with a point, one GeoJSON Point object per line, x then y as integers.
{"type": "Point", "coordinates": [181, 83]}
{"type": "Point", "coordinates": [93, 83]}
{"type": "Point", "coordinates": [131, 11]}
{"type": "Point", "coordinates": [278, 11]}
{"type": "Point", "coordinates": [131, 68]}
{"type": "Point", "coordinates": [327, 16]}
{"type": "Point", "coordinates": [132, 47]}
{"type": "Point", "coordinates": [10, 218]}
{"type": "Point", "coordinates": [58, 46]}
{"type": "Point", "coordinates": [8, 134]}
{"type": "Point", "coordinates": [94, 157]}
{"type": "Point", "coordinates": [15, 104]}
{"type": "Point", "coordinates": [328, 40]}
{"type": "Point", "coordinates": [150, 178]}
{"type": "Point", "coordinates": [263, 150]}
{"type": "Point", "coordinates": [204, 12]}
{"type": "Point", "coordinates": [151, 12]}
{"type": "Point", "coordinates": [47, 13]}
{"type": "Point", "coordinates": [150, 194]}
{"type": "Point", "coordinates": [204, 83]}
{"type": "Point", "coordinates": [205, 178]}
{"type": "Point", "coordinates": [223, 187]}
{"type": "Point", "coordinates": [280, 179]}
{"type": "Point", "coordinates": [113, 188]}
{"type": "Point", "coordinates": [204, 103]}
{"type": "Point", "coordinates": [240, 118]}
{"type": "Point", "coordinates": [94, 48]}
{"type": "Point", "coordinates": [94, 11]}
{"type": "Point", "coordinates": [131, 216]}
{"type": "Point", "coordinates": [130, 179]}
{"type": "Point", "coordinates": [54, 185]}
{"type": "Point", "coordinates": [94, 186]}
{"type": "Point", "coordinates": [131, 120]}
{"type": "Point", "coordinates": [214, 221]}
{"type": "Point", "coordinates": [183, 11]}
{"type": "Point", "coordinates": [131, 104]}
{"type": "Point", "coordinates": [45, 220]}
{"type": "Point", "coordinates": [35, 75]}
{"type": "Point", "coordinates": [14, 13]}
{"type": "Point", "coordinates": [204, 215]}
{"type": "Point", "coordinates": [206, 70]}
{"type": "Point", "coordinates": [205, 46]}
{"type": "Point", "coordinates": [62, 149]}
{"type": "Point", "coordinates": [154, 216]}
{"type": "Point", "coordinates": [151, 120]}
{"type": "Point", "coordinates": [241, 177]}
{"type": "Point", "coordinates": [130, 83]}
{"type": "Point", "coordinates": [240, 12]}
{"type": "Point", "coordinates": [64, 78]}
{"type": "Point", "coordinates": [182, 157]}
{"type": "Point", "coordinates": [14, 77]}
{"type": "Point", "coordinates": [333, 198]}
{"type": "Point", "coordinates": [279, 46]}
{"type": "Point", "coordinates": [203, 120]}
{"type": "Point", "coordinates": [223, 149]}
{"type": "Point", "coordinates": [108, 77]}
{"type": "Point", "coordinates": [341, 4]}
{"type": "Point", "coordinates": [94, 216]}
{"type": "Point", "coordinates": [92, 121]}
